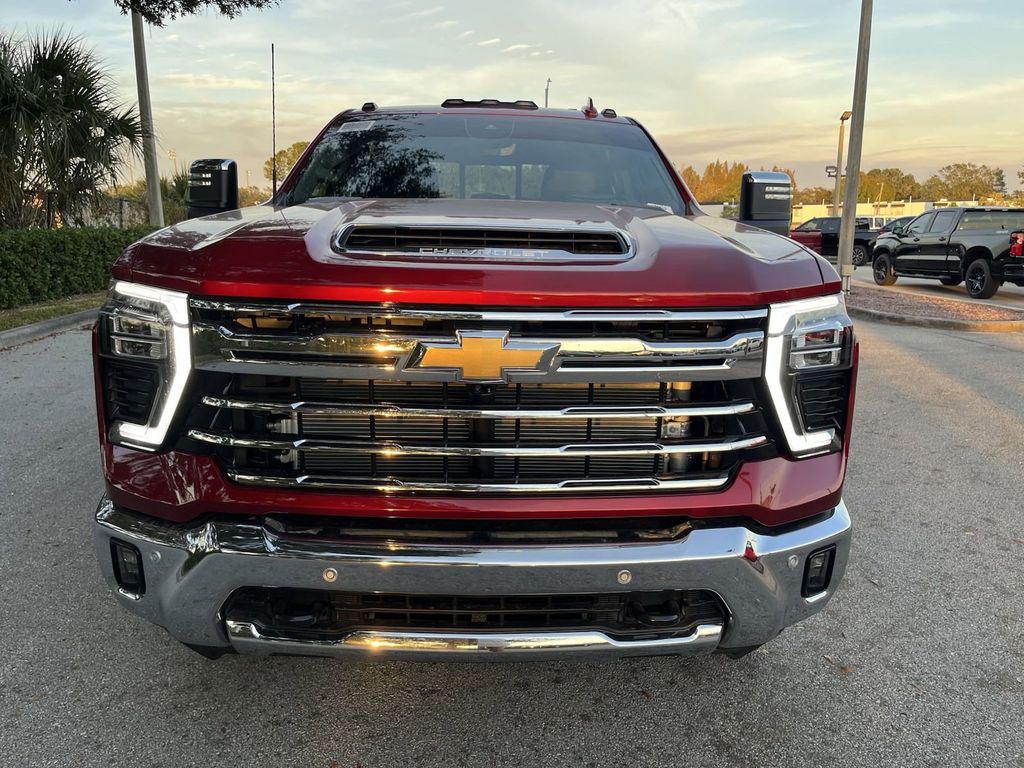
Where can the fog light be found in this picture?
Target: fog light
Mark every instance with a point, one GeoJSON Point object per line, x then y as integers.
{"type": "Point", "coordinates": [127, 567]}
{"type": "Point", "coordinates": [818, 571]}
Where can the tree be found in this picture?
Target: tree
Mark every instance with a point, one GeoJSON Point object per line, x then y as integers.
{"type": "Point", "coordinates": [965, 181]}
{"type": "Point", "coordinates": [813, 196]}
{"type": "Point", "coordinates": [173, 195]}
{"type": "Point", "coordinates": [252, 195]}
{"type": "Point", "coordinates": [156, 12]}
{"type": "Point", "coordinates": [999, 181]}
{"type": "Point", "coordinates": [64, 136]}
{"type": "Point", "coordinates": [720, 181]}
{"type": "Point", "coordinates": [286, 160]}
{"type": "Point", "coordinates": [887, 184]}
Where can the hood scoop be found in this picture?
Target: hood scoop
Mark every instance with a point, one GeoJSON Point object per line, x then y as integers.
{"type": "Point", "coordinates": [482, 241]}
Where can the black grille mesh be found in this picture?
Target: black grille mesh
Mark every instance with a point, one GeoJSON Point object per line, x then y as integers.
{"type": "Point", "coordinates": [323, 615]}
{"type": "Point", "coordinates": [129, 390]}
{"type": "Point", "coordinates": [823, 398]}
{"type": "Point", "coordinates": [415, 239]}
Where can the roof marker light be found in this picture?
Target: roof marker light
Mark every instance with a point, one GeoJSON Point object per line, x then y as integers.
{"type": "Point", "coordinates": [588, 109]}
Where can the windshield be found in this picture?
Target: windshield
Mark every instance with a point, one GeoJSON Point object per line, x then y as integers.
{"type": "Point", "coordinates": [486, 157]}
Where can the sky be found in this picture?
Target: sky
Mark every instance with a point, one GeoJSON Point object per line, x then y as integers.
{"type": "Point", "coordinates": [757, 81]}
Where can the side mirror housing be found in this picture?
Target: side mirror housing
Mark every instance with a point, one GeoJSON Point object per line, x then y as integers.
{"type": "Point", "coordinates": [212, 187]}
{"type": "Point", "coordinates": [897, 230]}
{"type": "Point", "coordinates": [766, 201]}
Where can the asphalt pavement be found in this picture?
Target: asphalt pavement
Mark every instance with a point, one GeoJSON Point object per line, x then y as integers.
{"type": "Point", "coordinates": [918, 661]}
{"type": "Point", "coordinates": [1008, 295]}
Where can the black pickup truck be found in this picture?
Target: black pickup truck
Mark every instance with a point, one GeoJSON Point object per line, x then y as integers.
{"type": "Point", "coordinates": [954, 245]}
{"type": "Point", "coordinates": [822, 236]}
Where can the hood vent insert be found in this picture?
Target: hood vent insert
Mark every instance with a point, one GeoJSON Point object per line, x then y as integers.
{"type": "Point", "coordinates": [483, 244]}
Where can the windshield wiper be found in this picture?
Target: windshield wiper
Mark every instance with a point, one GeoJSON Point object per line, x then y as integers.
{"type": "Point", "coordinates": [655, 206]}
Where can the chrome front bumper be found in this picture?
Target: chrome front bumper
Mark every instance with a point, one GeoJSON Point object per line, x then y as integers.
{"type": "Point", "coordinates": [191, 571]}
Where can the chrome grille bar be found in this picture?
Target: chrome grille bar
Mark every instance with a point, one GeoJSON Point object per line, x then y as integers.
{"type": "Point", "coordinates": [281, 308]}
{"type": "Point", "coordinates": [392, 399]}
{"type": "Point", "coordinates": [392, 485]}
{"type": "Point", "coordinates": [397, 449]}
{"type": "Point", "coordinates": [390, 355]}
{"type": "Point", "coordinates": [394, 411]}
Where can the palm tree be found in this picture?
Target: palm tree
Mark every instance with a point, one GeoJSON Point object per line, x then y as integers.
{"type": "Point", "coordinates": [64, 135]}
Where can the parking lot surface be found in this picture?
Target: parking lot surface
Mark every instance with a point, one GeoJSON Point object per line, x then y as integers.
{"type": "Point", "coordinates": [1008, 295]}
{"type": "Point", "coordinates": [918, 661]}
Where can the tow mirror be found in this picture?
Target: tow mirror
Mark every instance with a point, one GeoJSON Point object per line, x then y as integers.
{"type": "Point", "coordinates": [212, 187]}
{"type": "Point", "coordinates": [766, 201]}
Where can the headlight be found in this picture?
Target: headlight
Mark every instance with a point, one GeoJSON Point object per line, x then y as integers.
{"type": "Point", "coordinates": [808, 369]}
{"type": "Point", "coordinates": [146, 360]}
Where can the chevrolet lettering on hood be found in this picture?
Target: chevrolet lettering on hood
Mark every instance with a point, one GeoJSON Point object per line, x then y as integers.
{"type": "Point", "coordinates": [494, 253]}
{"type": "Point", "coordinates": [482, 380]}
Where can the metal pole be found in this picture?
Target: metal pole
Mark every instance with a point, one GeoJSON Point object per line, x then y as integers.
{"type": "Point", "coordinates": [839, 167]}
{"type": "Point", "coordinates": [860, 94]}
{"type": "Point", "coordinates": [548, 85]}
{"type": "Point", "coordinates": [156, 209]}
{"type": "Point", "coordinates": [273, 124]}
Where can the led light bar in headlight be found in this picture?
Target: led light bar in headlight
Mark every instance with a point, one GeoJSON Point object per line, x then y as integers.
{"type": "Point", "coordinates": [805, 337]}
{"type": "Point", "coordinates": [148, 329]}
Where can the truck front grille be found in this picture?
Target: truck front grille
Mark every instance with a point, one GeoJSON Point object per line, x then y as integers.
{"type": "Point", "coordinates": [335, 397]}
{"type": "Point", "coordinates": [307, 614]}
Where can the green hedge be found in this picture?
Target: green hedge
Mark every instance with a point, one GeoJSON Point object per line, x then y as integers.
{"type": "Point", "coordinates": [46, 264]}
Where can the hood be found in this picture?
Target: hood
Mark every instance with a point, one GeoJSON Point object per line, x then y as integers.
{"type": "Point", "coordinates": [287, 253]}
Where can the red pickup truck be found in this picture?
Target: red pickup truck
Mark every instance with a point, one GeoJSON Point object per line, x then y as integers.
{"type": "Point", "coordinates": [482, 381]}
{"type": "Point", "coordinates": [821, 235]}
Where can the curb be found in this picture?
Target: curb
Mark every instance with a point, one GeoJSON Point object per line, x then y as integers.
{"type": "Point", "coordinates": [44, 328]}
{"type": "Point", "coordinates": [970, 326]}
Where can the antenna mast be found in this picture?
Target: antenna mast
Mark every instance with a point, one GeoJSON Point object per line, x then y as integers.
{"type": "Point", "coordinates": [273, 124]}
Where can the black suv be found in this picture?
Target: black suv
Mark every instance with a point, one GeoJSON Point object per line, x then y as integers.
{"type": "Point", "coordinates": [953, 245]}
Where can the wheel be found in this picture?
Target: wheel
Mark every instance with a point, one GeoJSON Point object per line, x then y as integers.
{"type": "Point", "coordinates": [883, 270]}
{"type": "Point", "coordinates": [860, 255]}
{"type": "Point", "coordinates": [979, 281]}
{"type": "Point", "coordinates": [950, 280]}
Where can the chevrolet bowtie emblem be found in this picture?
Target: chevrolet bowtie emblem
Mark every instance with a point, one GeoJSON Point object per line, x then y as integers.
{"type": "Point", "coordinates": [485, 356]}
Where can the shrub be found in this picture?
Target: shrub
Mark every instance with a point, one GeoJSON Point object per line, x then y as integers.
{"type": "Point", "coordinates": [46, 264]}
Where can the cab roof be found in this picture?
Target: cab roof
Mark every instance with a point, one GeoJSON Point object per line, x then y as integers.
{"type": "Point", "coordinates": [520, 108]}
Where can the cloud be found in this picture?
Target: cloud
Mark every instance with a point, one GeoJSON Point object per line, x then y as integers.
{"type": "Point", "coordinates": [517, 47]}
{"type": "Point", "coordinates": [189, 80]}
{"type": "Point", "coordinates": [928, 20]}
{"type": "Point", "coordinates": [445, 24]}
{"type": "Point", "coordinates": [424, 13]}
{"type": "Point", "coordinates": [468, 33]}
{"type": "Point", "coordinates": [492, 41]}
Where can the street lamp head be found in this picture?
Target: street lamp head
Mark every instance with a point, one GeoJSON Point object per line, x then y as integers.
{"type": "Point", "coordinates": [845, 116]}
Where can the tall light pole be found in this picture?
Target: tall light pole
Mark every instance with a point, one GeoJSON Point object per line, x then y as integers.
{"type": "Point", "coordinates": [839, 161]}
{"type": "Point", "coordinates": [548, 85]}
{"type": "Point", "coordinates": [156, 208]}
{"type": "Point", "coordinates": [860, 97]}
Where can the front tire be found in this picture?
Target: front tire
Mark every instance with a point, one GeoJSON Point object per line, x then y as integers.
{"type": "Point", "coordinates": [882, 270]}
{"type": "Point", "coordinates": [860, 256]}
{"type": "Point", "coordinates": [979, 281]}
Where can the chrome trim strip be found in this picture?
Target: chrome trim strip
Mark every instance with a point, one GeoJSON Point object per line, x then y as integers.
{"type": "Point", "coordinates": [397, 449]}
{"type": "Point", "coordinates": [247, 638]}
{"type": "Point", "coordinates": [393, 355]}
{"type": "Point", "coordinates": [396, 312]}
{"type": "Point", "coordinates": [615, 485]}
{"type": "Point", "coordinates": [396, 411]}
